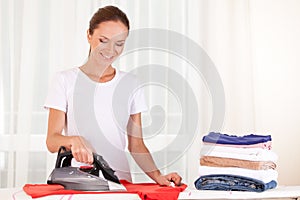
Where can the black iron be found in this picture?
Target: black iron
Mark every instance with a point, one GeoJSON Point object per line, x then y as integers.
{"type": "Point", "coordinates": [76, 178]}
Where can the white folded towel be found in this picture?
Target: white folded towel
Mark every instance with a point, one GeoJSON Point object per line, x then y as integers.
{"type": "Point", "coordinates": [253, 154]}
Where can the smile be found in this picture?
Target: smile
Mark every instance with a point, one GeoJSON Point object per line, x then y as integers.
{"type": "Point", "coordinates": [109, 58]}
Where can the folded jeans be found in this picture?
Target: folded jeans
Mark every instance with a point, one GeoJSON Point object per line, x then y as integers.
{"type": "Point", "coordinates": [232, 183]}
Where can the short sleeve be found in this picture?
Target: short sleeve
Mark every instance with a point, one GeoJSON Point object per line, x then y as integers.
{"type": "Point", "coordinates": [138, 103]}
{"type": "Point", "coordinates": [56, 97]}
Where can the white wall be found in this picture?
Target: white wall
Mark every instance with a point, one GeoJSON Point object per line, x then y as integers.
{"type": "Point", "coordinates": [276, 47]}
{"type": "Point", "coordinates": [255, 45]}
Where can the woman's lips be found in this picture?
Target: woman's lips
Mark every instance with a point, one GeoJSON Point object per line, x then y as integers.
{"type": "Point", "coordinates": [106, 57]}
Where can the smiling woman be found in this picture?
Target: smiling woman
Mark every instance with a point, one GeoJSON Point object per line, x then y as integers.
{"type": "Point", "coordinates": [106, 44]}
{"type": "Point", "coordinates": [108, 30]}
{"type": "Point", "coordinates": [80, 104]}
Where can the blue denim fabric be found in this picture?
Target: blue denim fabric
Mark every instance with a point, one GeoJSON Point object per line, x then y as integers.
{"type": "Point", "coordinates": [233, 183]}
{"type": "Point", "coordinates": [219, 138]}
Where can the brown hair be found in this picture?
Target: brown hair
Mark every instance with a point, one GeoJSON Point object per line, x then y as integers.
{"type": "Point", "coordinates": [107, 13]}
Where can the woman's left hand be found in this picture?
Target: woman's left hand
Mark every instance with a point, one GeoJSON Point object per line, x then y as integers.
{"type": "Point", "coordinates": [167, 179]}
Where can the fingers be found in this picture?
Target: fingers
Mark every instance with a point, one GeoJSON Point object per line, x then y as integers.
{"type": "Point", "coordinates": [169, 179]}
{"type": "Point", "coordinates": [175, 178]}
{"type": "Point", "coordinates": [80, 150]}
{"type": "Point", "coordinates": [163, 181]}
{"type": "Point", "coordinates": [166, 182]}
{"type": "Point", "coordinates": [82, 155]}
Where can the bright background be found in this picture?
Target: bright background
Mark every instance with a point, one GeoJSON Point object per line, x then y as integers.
{"type": "Point", "coordinates": [254, 45]}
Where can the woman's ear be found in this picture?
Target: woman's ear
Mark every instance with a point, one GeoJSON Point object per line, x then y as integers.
{"type": "Point", "coordinates": [88, 35]}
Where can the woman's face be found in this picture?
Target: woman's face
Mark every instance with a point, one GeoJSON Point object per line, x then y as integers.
{"type": "Point", "coordinates": [107, 41]}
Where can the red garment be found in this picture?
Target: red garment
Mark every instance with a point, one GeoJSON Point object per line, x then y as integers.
{"type": "Point", "coordinates": [146, 191]}
{"type": "Point", "coordinates": [152, 191]}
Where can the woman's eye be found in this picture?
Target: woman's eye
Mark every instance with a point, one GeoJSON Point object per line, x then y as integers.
{"type": "Point", "coordinates": [103, 40]}
{"type": "Point", "coordinates": [119, 44]}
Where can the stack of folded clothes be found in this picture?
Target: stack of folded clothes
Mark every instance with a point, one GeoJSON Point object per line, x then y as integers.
{"type": "Point", "coordinates": [237, 163]}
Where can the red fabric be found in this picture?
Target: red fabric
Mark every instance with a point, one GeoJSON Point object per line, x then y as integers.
{"type": "Point", "coordinates": [146, 191]}
{"type": "Point", "coordinates": [152, 191]}
{"type": "Point", "coordinates": [41, 190]}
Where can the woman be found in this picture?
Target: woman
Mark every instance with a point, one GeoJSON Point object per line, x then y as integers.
{"type": "Point", "coordinates": [73, 127]}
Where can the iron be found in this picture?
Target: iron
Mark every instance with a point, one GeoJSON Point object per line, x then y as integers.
{"type": "Point", "coordinates": [84, 178]}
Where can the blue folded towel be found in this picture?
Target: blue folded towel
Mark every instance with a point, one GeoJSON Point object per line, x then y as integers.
{"type": "Point", "coordinates": [219, 138]}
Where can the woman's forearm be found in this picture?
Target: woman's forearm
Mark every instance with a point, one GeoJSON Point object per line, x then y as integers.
{"type": "Point", "coordinates": [56, 140]}
{"type": "Point", "coordinates": [143, 158]}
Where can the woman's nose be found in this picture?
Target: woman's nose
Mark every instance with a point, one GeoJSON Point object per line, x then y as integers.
{"type": "Point", "coordinates": [110, 48]}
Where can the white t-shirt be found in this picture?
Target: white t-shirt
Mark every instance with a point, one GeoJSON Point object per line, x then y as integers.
{"type": "Point", "coordinates": [98, 111]}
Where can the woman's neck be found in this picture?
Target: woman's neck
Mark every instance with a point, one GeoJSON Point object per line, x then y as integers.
{"type": "Point", "coordinates": [98, 73]}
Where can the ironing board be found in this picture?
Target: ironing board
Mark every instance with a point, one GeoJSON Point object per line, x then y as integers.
{"type": "Point", "coordinates": [281, 192]}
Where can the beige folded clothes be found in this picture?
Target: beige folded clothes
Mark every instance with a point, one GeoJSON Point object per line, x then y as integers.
{"type": "Point", "coordinates": [213, 161]}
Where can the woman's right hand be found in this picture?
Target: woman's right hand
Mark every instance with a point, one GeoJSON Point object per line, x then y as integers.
{"type": "Point", "coordinates": [81, 150]}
